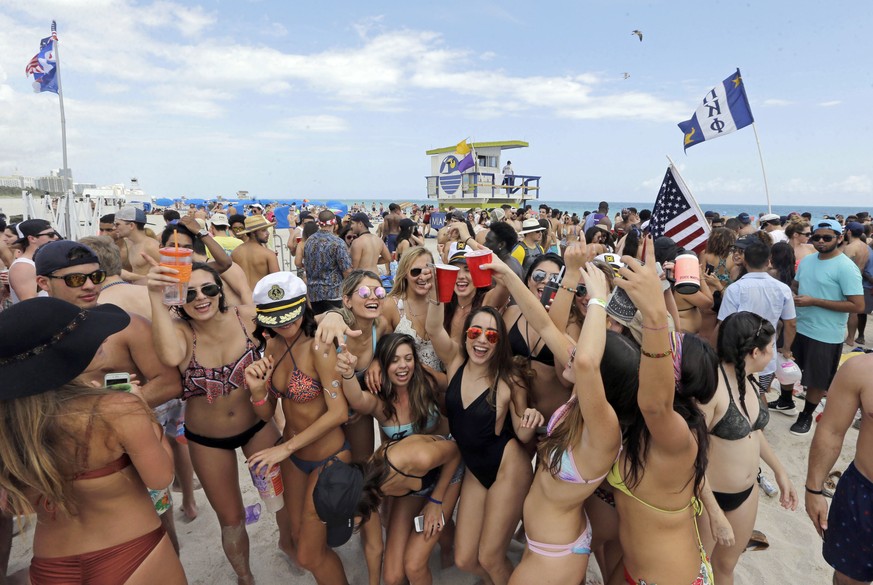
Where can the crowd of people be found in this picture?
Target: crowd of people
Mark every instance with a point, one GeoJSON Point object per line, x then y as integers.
{"type": "Point", "coordinates": [579, 402]}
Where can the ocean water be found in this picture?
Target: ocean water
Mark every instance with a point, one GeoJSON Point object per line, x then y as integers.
{"type": "Point", "coordinates": [723, 209]}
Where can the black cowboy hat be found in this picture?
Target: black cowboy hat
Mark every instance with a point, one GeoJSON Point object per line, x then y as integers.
{"type": "Point", "coordinates": [46, 343]}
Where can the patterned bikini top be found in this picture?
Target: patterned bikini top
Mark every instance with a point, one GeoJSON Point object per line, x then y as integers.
{"type": "Point", "coordinates": [221, 381]}
{"type": "Point", "coordinates": [302, 387]}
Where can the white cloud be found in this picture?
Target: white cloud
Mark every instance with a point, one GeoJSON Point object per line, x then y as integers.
{"type": "Point", "coordinates": [322, 123]}
{"type": "Point", "coordinates": [773, 102]}
{"type": "Point", "coordinates": [861, 184]}
{"type": "Point", "coordinates": [831, 103]}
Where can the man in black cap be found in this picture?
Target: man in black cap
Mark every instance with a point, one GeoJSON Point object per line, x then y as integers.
{"type": "Point", "coordinates": [858, 252]}
{"type": "Point", "coordinates": [368, 250]}
{"type": "Point", "coordinates": [32, 234]}
{"type": "Point", "coordinates": [746, 225]}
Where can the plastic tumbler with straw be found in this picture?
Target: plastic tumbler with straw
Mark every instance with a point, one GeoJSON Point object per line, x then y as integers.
{"type": "Point", "coordinates": [177, 258]}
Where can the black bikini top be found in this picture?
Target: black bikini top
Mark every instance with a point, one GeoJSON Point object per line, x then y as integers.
{"type": "Point", "coordinates": [734, 425]}
{"type": "Point", "coordinates": [519, 346]}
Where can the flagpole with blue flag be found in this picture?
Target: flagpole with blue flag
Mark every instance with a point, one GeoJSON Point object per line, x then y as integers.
{"type": "Point", "coordinates": [724, 109]}
{"type": "Point", "coordinates": [46, 70]}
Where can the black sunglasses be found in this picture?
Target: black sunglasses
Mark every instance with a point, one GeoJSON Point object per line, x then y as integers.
{"type": "Point", "coordinates": [210, 290]}
{"type": "Point", "coordinates": [78, 279]}
{"type": "Point", "coordinates": [415, 272]}
{"type": "Point", "coordinates": [822, 238]}
{"type": "Point", "coordinates": [580, 290]}
{"type": "Point", "coordinates": [51, 234]}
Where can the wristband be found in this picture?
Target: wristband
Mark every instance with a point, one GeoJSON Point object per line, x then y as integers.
{"type": "Point", "coordinates": [203, 233]}
{"type": "Point", "coordinates": [813, 492]}
{"type": "Point", "coordinates": [349, 378]}
{"type": "Point", "coordinates": [260, 402]}
{"type": "Point", "coordinates": [597, 303]}
{"type": "Point", "coordinates": [439, 503]}
{"type": "Point", "coordinates": [664, 326]}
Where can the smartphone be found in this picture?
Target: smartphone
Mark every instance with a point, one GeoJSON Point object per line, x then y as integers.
{"type": "Point", "coordinates": [433, 295]}
{"type": "Point", "coordinates": [620, 306]}
{"type": "Point", "coordinates": [116, 378]}
{"type": "Point", "coordinates": [709, 268]}
{"type": "Point", "coordinates": [419, 522]}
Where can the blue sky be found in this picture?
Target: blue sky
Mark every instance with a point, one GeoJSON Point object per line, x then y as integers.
{"type": "Point", "coordinates": [341, 99]}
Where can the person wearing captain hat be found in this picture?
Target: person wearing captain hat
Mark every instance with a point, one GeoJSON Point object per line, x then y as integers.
{"type": "Point", "coordinates": [315, 408]}
{"type": "Point", "coordinates": [528, 248]}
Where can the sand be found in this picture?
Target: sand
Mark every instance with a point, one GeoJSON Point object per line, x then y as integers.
{"type": "Point", "coordinates": [794, 555]}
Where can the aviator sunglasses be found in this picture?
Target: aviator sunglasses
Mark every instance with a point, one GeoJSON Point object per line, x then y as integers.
{"type": "Point", "coordinates": [209, 290]}
{"type": "Point", "coordinates": [78, 279]}
{"type": "Point", "coordinates": [540, 275]}
{"type": "Point", "coordinates": [365, 291]}
{"type": "Point", "coordinates": [474, 332]}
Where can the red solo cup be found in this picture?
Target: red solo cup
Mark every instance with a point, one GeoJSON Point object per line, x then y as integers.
{"type": "Point", "coordinates": [475, 259]}
{"type": "Point", "coordinates": [446, 275]}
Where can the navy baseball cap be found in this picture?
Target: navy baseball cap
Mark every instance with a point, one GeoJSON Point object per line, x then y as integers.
{"type": "Point", "coordinates": [744, 218]}
{"type": "Point", "coordinates": [62, 254]}
{"type": "Point", "coordinates": [361, 217]}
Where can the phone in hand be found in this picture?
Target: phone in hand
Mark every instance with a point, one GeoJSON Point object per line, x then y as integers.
{"type": "Point", "coordinates": [709, 268]}
{"type": "Point", "coordinates": [418, 522]}
{"type": "Point", "coordinates": [116, 379]}
{"type": "Point", "coordinates": [551, 288]}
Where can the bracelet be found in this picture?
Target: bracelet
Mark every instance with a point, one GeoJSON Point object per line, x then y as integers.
{"type": "Point", "coordinates": [568, 289]}
{"type": "Point", "coordinates": [260, 402]}
{"type": "Point", "coordinates": [468, 239]}
{"type": "Point", "coordinates": [669, 352]}
{"type": "Point", "coordinates": [662, 327]}
{"type": "Point", "coordinates": [814, 492]}
{"type": "Point", "coordinates": [597, 303]}
{"type": "Point", "coordinates": [349, 378]}
{"type": "Point", "coordinates": [439, 503]}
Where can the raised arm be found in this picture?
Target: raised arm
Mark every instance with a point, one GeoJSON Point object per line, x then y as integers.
{"type": "Point", "coordinates": [600, 432]}
{"type": "Point", "coordinates": [532, 309]}
{"type": "Point", "coordinates": [170, 342]}
{"type": "Point", "coordinates": [362, 402]}
{"type": "Point", "coordinates": [575, 257]}
{"type": "Point", "coordinates": [446, 348]}
{"type": "Point", "coordinates": [657, 383]}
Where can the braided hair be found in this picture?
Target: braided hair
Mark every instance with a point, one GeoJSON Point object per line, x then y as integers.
{"type": "Point", "coordinates": [738, 336]}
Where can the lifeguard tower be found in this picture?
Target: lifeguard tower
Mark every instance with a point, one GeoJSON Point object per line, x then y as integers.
{"type": "Point", "coordinates": [478, 181]}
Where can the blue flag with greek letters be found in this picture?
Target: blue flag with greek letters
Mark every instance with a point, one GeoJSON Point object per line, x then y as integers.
{"type": "Point", "coordinates": [725, 108]}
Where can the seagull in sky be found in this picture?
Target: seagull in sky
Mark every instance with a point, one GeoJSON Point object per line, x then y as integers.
{"type": "Point", "coordinates": [639, 33]}
{"type": "Point", "coordinates": [626, 75]}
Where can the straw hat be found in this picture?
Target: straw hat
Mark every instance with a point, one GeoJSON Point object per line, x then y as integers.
{"type": "Point", "coordinates": [530, 225]}
{"type": "Point", "coordinates": [255, 223]}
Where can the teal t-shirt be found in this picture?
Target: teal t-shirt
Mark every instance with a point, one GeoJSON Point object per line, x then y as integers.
{"type": "Point", "coordinates": [834, 279]}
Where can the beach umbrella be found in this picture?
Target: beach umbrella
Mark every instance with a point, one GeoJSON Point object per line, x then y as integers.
{"type": "Point", "coordinates": [164, 201]}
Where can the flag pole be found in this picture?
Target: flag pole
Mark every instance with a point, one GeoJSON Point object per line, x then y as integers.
{"type": "Point", "coordinates": [763, 172]}
{"type": "Point", "coordinates": [67, 191]}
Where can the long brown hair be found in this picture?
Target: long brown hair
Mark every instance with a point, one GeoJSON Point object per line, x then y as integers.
{"type": "Point", "coordinates": [501, 366]}
{"type": "Point", "coordinates": [421, 387]}
{"type": "Point", "coordinates": [42, 446]}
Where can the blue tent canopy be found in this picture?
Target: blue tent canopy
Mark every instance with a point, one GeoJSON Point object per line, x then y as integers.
{"type": "Point", "coordinates": [164, 202]}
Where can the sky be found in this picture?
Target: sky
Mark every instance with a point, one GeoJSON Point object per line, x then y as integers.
{"type": "Point", "coordinates": [341, 99]}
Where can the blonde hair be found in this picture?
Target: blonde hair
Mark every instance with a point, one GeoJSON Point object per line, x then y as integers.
{"type": "Point", "coordinates": [403, 267]}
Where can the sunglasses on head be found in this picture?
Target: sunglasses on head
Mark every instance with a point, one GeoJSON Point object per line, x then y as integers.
{"type": "Point", "coordinates": [822, 238]}
{"type": "Point", "coordinates": [540, 275]}
{"type": "Point", "coordinates": [209, 290]}
{"type": "Point", "coordinates": [365, 291]}
{"type": "Point", "coordinates": [78, 279]}
{"type": "Point", "coordinates": [475, 331]}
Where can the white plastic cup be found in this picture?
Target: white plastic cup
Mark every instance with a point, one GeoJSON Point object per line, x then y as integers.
{"type": "Point", "coordinates": [270, 488]}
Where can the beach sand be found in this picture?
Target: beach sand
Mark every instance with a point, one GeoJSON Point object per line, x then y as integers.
{"type": "Point", "coordinates": [794, 554]}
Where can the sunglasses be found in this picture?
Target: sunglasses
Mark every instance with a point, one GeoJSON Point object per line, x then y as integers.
{"type": "Point", "coordinates": [540, 275]}
{"type": "Point", "coordinates": [474, 332]}
{"type": "Point", "coordinates": [209, 290]}
{"type": "Point", "coordinates": [51, 234]}
{"type": "Point", "coordinates": [805, 234]}
{"type": "Point", "coordinates": [580, 291]}
{"type": "Point", "coordinates": [822, 238]}
{"type": "Point", "coordinates": [365, 291]}
{"type": "Point", "coordinates": [415, 272]}
{"type": "Point", "coordinates": [78, 279]}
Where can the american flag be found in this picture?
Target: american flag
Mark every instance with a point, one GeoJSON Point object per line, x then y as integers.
{"type": "Point", "coordinates": [677, 216]}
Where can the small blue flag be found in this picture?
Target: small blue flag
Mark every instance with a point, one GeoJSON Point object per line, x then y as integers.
{"type": "Point", "coordinates": [43, 66]}
{"type": "Point", "coordinates": [725, 109]}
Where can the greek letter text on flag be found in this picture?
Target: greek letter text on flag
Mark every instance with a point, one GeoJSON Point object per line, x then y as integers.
{"type": "Point", "coordinates": [725, 108]}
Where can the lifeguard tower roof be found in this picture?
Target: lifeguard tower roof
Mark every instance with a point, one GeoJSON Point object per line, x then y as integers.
{"type": "Point", "coordinates": [505, 145]}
